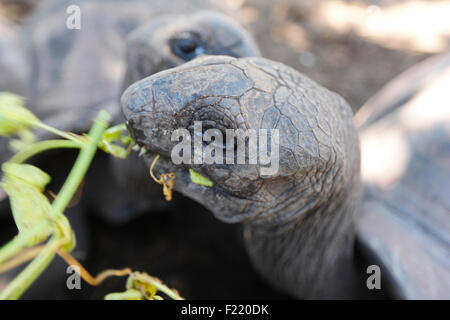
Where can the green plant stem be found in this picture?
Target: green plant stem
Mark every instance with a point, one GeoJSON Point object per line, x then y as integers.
{"type": "Point", "coordinates": [18, 286]}
{"type": "Point", "coordinates": [56, 131]}
{"type": "Point", "coordinates": [19, 242]}
{"type": "Point", "coordinates": [82, 163]}
{"type": "Point", "coordinates": [41, 146]}
{"type": "Point", "coordinates": [23, 281]}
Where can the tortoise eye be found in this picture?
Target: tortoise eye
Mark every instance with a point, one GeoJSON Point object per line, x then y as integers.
{"type": "Point", "coordinates": [187, 45]}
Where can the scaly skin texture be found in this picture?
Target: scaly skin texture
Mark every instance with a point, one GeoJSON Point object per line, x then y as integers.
{"type": "Point", "coordinates": [76, 73]}
{"type": "Point", "coordinates": [299, 223]}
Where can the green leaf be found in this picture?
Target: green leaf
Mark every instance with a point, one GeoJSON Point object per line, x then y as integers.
{"type": "Point", "coordinates": [24, 183]}
{"type": "Point", "coordinates": [14, 117]}
{"type": "Point", "coordinates": [199, 179]}
{"type": "Point", "coordinates": [28, 173]}
{"type": "Point", "coordinates": [115, 150]}
{"type": "Point", "coordinates": [116, 134]}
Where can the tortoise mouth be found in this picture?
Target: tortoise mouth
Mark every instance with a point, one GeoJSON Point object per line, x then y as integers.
{"type": "Point", "coordinates": [182, 181]}
{"type": "Point", "coordinates": [209, 196]}
{"type": "Point", "coordinates": [164, 164]}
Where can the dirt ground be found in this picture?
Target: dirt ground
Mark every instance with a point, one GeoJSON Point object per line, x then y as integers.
{"type": "Point", "coordinates": [351, 47]}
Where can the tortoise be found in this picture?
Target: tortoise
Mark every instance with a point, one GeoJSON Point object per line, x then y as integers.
{"type": "Point", "coordinates": [72, 74]}
{"type": "Point", "coordinates": [75, 73]}
{"type": "Point", "coordinates": [305, 225]}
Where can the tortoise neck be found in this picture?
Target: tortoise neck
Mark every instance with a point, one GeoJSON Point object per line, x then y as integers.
{"type": "Point", "coordinates": [314, 256]}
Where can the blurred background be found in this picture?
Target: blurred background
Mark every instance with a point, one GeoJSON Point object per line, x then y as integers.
{"type": "Point", "coordinates": [351, 47]}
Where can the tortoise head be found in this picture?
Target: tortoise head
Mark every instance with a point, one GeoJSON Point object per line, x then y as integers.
{"type": "Point", "coordinates": [314, 160]}
{"type": "Point", "coordinates": [166, 42]}
{"type": "Point", "coordinates": [172, 40]}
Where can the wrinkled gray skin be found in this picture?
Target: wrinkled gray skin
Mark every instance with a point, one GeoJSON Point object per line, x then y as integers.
{"type": "Point", "coordinates": [147, 52]}
{"type": "Point", "coordinates": [319, 163]}
{"type": "Point", "coordinates": [299, 225]}
{"type": "Point", "coordinates": [148, 48]}
{"type": "Point", "coordinates": [84, 69]}
{"type": "Point", "coordinates": [75, 73]}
